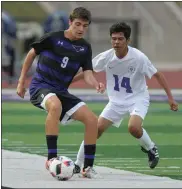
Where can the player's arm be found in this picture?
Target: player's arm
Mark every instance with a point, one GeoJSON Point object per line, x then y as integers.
{"type": "Point", "coordinates": [150, 71]}
{"type": "Point", "coordinates": [91, 80]}
{"type": "Point", "coordinates": [98, 64]}
{"type": "Point", "coordinates": [88, 73]}
{"type": "Point", "coordinates": [163, 82]}
{"type": "Point", "coordinates": [26, 66]}
{"type": "Point", "coordinates": [38, 46]}
{"type": "Point", "coordinates": [79, 76]}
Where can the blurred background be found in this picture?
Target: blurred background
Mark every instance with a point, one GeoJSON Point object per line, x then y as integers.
{"type": "Point", "coordinates": [156, 30]}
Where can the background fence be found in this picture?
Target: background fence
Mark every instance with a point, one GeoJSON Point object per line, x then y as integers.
{"type": "Point", "coordinates": [156, 30]}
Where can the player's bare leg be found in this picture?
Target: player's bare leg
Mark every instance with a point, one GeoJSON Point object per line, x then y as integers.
{"type": "Point", "coordinates": [103, 125]}
{"type": "Point", "coordinates": [135, 128]}
{"type": "Point", "coordinates": [89, 119]}
{"type": "Point", "coordinates": [54, 108]}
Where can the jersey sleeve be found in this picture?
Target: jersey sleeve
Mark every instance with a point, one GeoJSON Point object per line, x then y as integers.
{"type": "Point", "coordinates": [87, 65]}
{"type": "Point", "coordinates": [44, 43]}
{"type": "Point", "coordinates": [99, 62]}
{"type": "Point", "coordinates": [148, 68]}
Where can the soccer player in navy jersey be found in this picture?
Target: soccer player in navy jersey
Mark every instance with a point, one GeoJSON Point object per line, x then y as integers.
{"type": "Point", "coordinates": [61, 55]}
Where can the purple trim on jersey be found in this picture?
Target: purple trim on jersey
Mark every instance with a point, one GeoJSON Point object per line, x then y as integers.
{"type": "Point", "coordinates": [36, 85]}
{"type": "Point", "coordinates": [44, 79]}
{"type": "Point", "coordinates": [44, 83]}
{"type": "Point", "coordinates": [74, 65]}
{"type": "Point", "coordinates": [32, 89]}
{"type": "Point", "coordinates": [69, 46]}
{"type": "Point", "coordinates": [52, 72]}
{"type": "Point", "coordinates": [89, 156]}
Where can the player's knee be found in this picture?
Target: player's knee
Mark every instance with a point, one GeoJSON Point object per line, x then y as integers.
{"type": "Point", "coordinates": [93, 120]}
{"type": "Point", "coordinates": [100, 131]}
{"type": "Point", "coordinates": [135, 131]}
{"type": "Point", "coordinates": [88, 118]}
{"type": "Point", "coordinates": [55, 107]}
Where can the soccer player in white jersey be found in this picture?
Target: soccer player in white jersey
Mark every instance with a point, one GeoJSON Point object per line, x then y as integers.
{"type": "Point", "coordinates": [126, 68]}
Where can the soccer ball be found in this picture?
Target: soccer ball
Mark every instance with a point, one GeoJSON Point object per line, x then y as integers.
{"type": "Point", "coordinates": [62, 168]}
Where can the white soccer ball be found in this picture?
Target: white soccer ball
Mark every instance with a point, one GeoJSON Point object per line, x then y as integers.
{"type": "Point", "coordinates": [62, 168]}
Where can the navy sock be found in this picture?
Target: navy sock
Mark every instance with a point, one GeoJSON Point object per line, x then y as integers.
{"type": "Point", "coordinates": [51, 146]}
{"type": "Point", "coordinates": [89, 150]}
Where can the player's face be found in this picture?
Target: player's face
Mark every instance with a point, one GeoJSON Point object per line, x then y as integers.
{"type": "Point", "coordinates": [78, 27]}
{"type": "Point", "coordinates": [119, 42]}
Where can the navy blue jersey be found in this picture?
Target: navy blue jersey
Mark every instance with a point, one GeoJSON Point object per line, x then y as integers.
{"type": "Point", "coordinates": [59, 61]}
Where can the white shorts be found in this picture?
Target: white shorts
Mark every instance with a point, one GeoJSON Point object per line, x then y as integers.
{"type": "Point", "coordinates": [116, 113]}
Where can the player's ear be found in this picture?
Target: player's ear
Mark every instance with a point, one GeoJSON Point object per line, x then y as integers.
{"type": "Point", "coordinates": [70, 22]}
{"type": "Point", "coordinates": [128, 41]}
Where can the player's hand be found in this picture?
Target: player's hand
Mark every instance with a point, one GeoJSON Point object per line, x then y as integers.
{"type": "Point", "coordinates": [21, 90]}
{"type": "Point", "coordinates": [173, 105]}
{"type": "Point", "coordinates": [100, 88]}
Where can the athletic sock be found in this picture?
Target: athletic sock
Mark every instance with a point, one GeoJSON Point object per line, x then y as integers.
{"type": "Point", "coordinates": [51, 146]}
{"type": "Point", "coordinates": [89, 151]}
{"type": "Point", "coordinates": [145, 141]}
{"type": "Point", "coordinates": [80, 156]}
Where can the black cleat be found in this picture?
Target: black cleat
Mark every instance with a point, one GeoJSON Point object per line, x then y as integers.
{"type": "Point", "coordinates": [76, 169]}
{"type": "Point", "coordinates": [153, 156]}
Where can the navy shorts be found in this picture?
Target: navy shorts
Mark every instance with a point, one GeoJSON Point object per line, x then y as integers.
{"type": "Point", "coordinates": [70, 103]}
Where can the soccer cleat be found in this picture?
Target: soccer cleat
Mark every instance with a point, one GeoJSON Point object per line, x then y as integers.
{"type": "Point", "coordinates": [153, 156]}
{"type": "Point", "coordinates": [76, 169]}
{"type": "Point", "coordinates": [89, 172]}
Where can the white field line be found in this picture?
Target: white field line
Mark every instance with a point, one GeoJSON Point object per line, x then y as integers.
{"type": "Point", "coordinates": [124, 164]}
{"type": "Point", "coordinates": [129, 158]}
{"type": "Point", "coordinates": [112, 160]}
{"type": "Point", "coordinates": [32, 146]}
{"type": "Point", "coordinates": [144, 167]}
{"type": "Point", "coordinates": [161, 171]}
{"type": "Point", "coordinates": [9, 144]}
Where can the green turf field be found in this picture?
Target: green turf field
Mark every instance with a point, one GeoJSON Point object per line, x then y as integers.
{"type": "Point", "coordinates": [23, 130]}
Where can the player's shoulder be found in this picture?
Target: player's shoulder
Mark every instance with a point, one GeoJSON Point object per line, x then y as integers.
{"type": "Point", "coordinates": [138, 54]}
{"type": "Point", "coordinates": [56, 33]}
{"type": "Point", "coordinates": [108, 53]}
{"type": "Point", "coordinates": [52, 34]}
{"type": "Point", "coordinates": [85, 42]}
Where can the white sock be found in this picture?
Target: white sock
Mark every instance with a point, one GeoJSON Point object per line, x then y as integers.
{"type": "Point", "coordinates": [80, 156]}
{"type": "Point", "coordinates": [145, 141]}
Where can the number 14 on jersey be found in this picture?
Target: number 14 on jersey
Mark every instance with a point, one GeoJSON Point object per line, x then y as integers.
{"type": "Point", "coordinates": [125, 83]}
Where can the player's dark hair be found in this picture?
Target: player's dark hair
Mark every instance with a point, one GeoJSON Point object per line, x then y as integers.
{"type": "Point", "coordinates": [121, 27]}
{"type": "Point", "coordinates": [81, 13]}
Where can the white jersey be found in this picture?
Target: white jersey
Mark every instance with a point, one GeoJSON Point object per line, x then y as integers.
{"type": "Point", "coordinates": [125, 77]}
